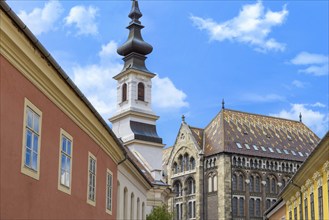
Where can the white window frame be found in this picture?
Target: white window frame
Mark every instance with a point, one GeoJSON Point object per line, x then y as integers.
{"type": "Point", "coordinates": [27, 170]}
{"type": "Point", "coordinates": [109, 192]}
{"type": "Point", "coordinates": [89, 200]}
{"type": "Point", "coordinates": [62, 186]}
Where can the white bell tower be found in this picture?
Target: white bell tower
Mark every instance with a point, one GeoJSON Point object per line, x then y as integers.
{"type": "Point", "coordinates": [134, 121]}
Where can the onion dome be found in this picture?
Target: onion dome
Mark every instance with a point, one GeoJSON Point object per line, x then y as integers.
{"type": "Point", "coordinates": [135, 48]}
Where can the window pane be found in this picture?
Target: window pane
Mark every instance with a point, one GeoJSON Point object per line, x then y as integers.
{"type": "Point", "coordinates": [63, 162]}
{"type": "Point", "coordinates": [251, 207]}
{"type": "Point", "coordinates": [68, 164]}
{"type": "Point", "coordinates": [34, 161]}
{"type": "Point", "coordinates": [28, 157]}
{"type": "Point", "coordinates": [62, 177]}
{"type": "Point", "coordinates": [29, 118]}
{"type": "Point", "coordinates": [241, 207]}
{"type": "Point", "coordinates": [63, 143]}
{"type": "Point", "coordinates": [67, 179]}
{"type": "Point", "coordinates": [35, 143]}
{"type": "Point", "coordinates": [235, 205]}
{"type": "Point", "coordinates": [29, 139]}
{"type": "Point", "coordinates": [68, 150]}
{"type": "Point", "coordinates": [36, 123]}
{"type": "Point", "coordinates": [258, 207]}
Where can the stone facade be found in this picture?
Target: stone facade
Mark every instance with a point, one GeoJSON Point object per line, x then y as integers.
{"type": "Point", "coordinates": [242, 162]}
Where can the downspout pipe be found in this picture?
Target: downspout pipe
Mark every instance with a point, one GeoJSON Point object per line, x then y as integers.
{"type": "Point", "coordinates": [124, 159]}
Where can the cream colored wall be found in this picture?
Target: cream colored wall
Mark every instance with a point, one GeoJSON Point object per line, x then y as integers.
{"type": "Point", "coordinates": [319, 178]}
{"type": "Point", "coordinates": [126, 179]}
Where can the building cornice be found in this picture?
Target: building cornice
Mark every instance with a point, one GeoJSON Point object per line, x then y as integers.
{"type": "Point", "coordinates": [28, 56]}
{"type": "Point", "coordinates": [137, 114]}
{"type": "Point", "coordinates": [133, 71]}
{"type": "Point", "coordinates": [135, 141]}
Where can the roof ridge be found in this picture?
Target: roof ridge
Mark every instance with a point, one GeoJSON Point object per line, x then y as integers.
{"type": "Point", "coordinates": [266, 116]}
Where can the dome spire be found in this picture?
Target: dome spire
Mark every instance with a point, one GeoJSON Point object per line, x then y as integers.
{"type": "Point", "coordinates": [135, 13]}
{"type": "Point", "coordinates": [135, 48]}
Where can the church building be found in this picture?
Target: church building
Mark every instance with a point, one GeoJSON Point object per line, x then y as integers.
{"type": "Point", "coordinates": [236, 166]}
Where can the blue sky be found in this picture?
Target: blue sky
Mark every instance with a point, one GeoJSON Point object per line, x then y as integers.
{"type": "Point", "coordinates": [264, 57]}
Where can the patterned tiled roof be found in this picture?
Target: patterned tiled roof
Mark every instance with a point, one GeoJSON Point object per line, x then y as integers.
{"type": "Point", "coordinates": [245, 133]}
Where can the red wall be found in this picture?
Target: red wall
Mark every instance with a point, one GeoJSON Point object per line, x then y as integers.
{"type": "Point", "coordinates": [24, 197]}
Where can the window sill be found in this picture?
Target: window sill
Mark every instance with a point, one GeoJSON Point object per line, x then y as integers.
{"type": "Point", "coordinates": [30, 172]}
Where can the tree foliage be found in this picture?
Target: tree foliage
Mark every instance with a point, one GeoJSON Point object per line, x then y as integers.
{"type": "Point", "coordinates": [160, 213]}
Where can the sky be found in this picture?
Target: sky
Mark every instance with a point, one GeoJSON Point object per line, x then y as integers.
{"type": "Point", "coordinates": [263, 57]}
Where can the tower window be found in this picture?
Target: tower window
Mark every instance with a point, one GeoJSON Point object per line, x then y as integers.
{"type": "Point", "coordinates": [141, 92]}
{"type": "Point", "coordinates": [124, 92]}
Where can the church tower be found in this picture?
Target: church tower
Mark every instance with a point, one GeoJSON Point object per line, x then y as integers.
{"type": "Point", "coordinates": [134, 121]}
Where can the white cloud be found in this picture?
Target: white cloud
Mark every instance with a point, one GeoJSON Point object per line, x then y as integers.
{"type": "Point", "coordinates": [305, 58]}
{"type": "Point", "coordinates": [166, 95]}
{"type": "Point", "coordinates": [96, 82]}
{"type": "Point", "coordinates": [84, 19]}
{"type": "Point", "coordinates": [316, 64]}
{"type": "Point", "coordinates": [252, 26]}
{"type": "Point", "coordinates": [42, 20]}
{"type": "Point", "coordinates": [318, 104]}
{"type": "Point", "coordinates": [315, 120]}
{"type": "Point", "coordinates": [262, 98]}
{"type": "Point", "coordinates": [298, 84]}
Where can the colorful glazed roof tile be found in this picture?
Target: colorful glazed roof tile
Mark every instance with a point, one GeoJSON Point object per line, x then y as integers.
{"type": "Point", "coordinates": [198, 135]}
{"type": "Point", "coordinates": [257, 135]}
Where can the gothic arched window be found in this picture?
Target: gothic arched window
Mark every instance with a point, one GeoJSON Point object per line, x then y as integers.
{"type": "Point", "coordinates": [192, 163]}
{"type": "Point", "coordinates": [210, 189]}
{"type": "Point", "coordinates": [257, 184]}
{"type": "Point", "coordinates": [124, 92]}
{"type": "Point", "coordinates": [267, 184]}
{"type": "Point", "coordinates": [235, 206]}
{"type": "Point", "coordinates": [251, 186]}
{"type": "Point", "coordinates": [251, 207]}
{"type": "Point", "coordinates": [178, 188]}
{"type": "Point", "coordinates": [190, 186]}
{"type": "Point", "coordinates": [241, 206]}
{"type": "Point", "coordinates": [258, 207]}
{"type": "Point", "coordinates": [240, 182]}
{"type": "Point", "coordinates": [273, 185]}
{"type": "Point", "coordinates": [185, 162]}
{"type": "Point", "coordinates": [214, 178]}
{"type": "Point", "coordinates": [234, 182]}
{"type": "Point", "coordinates": [180, 163]}
{"type": "Point", "coordinates": [141, 92]}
